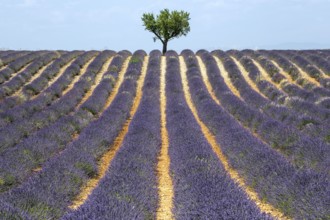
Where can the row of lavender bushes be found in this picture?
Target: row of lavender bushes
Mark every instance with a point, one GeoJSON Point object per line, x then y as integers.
{"type": "Point", "coordinates": [309, 106]}
{"type": "Point", "coordinates": [129, 188]}
{"type": "Point", "coordinates": [298, 193]}
{"type": "Point", "coordinates": [294, 72]}
{"type": "Point", "coordinates": [258, 102]}
{"type": "Point", "coordinates": [17, 64]}
{"type": "Point", "coordinates": [301, 150]}
{"type": "Point", "coordinates": [48, 96]}
{"type": "Point", "coordinates": [18, 162]}
{"type": "Point", "coordinates": [323, 63]}
{"type": "Point", "coordinates": [294, 111]}
{"type": "Point", "coordinates": [17, 82]}
{"type": "Point", "coordinates": [10, 56]}
{"type": "Point", "coordinates": [308, 67]}
{"type": "Point", "coordinates": [270, 91]}
{"type": "Point", "coordinates": [70, 170]}
{"type": "Point", "coordinates": [36, 86]}
{"type": "Point", "coordinates": [202, 188]}
{"type": "Point", "coordinates": [319, 61]}
{"type": "Point", "coordinates": [291, 89]}
{"type": "Point", "coordinates": [15, 132]}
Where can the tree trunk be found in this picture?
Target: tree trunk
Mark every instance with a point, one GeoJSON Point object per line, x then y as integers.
{"type": "Point", "coordinates": [164, 47]}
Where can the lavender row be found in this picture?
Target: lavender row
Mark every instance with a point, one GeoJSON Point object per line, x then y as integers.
{"type": "Point", "coordinates": [248, 94]}
{"type": "Point", "coordinates": [9, 212]}
{"type": "Point", "coordinates": [202, 188]}
{"type": "Point", "coordinates": [293, 71]}
{"type": "Point", "coordinates": [97, 100]}
{"type": "Point", "coordinates": [265, 87]}
{"type": "Point", "coordinates": [129, 188]}
{"type": "Point", "coordinates": [298, 193]}
{"type": "Point", "coordinates": [297, 105]}
{"type": "Point", "coordinates": [309, 95]}
{"type": "Point", "coordinates": [4, 53]}
{"type": "Point", "coordinates": [315, 115]}
{"type": "Point", "coordinates": [252, 97]}
{"type": "Point", "coordinates": [48, 96]}
{"type": "Point", "coordinates": [15, 132]}
{"type": "Point", "coordinates": [5, 60]}
{"type": "Point", "coordinates": [310, 69]}
{"type": "Point", "coordinates": [24, 60]}
{"type": "Point", "coordinates": [288, 67]}
{"type": "Point", "coordinates": [289, 88]}
{"type": "Point", "coordinates": [17, 82]}
{"type": "Point", "coordinates": [37, 85]}
{"type": "Point", "coordinates": [48, 194]}
{"type": "Point", "coordinates": [319, 61]}
{"type": "Point", "coordinates": [18, 64]}
{"type": "Point", "coordinates": [10, 57]}
{"type": "Point", "coordinates": [18, 163]}
{"type": "Point", "coordinates": [280, 113]}
{"type": "Point", "coordinates": [299, 148]}
{"type": "Point", "coordinates": [324, 53]}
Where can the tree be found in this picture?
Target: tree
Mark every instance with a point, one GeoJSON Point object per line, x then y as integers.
{"type": "Point", "coordinates": [167, 25]}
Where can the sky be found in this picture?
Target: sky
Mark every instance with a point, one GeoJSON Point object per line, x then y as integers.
{"type": "Point", "coordinates": [117, 25]}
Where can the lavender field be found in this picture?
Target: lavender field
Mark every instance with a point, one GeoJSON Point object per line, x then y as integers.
{"type": "Point", "coordinates": [206, 135]}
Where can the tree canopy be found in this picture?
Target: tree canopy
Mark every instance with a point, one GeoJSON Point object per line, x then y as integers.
{"type": "Point", "coordinates": [167, 25]}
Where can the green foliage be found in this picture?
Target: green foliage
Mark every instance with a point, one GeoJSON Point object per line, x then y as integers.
{"type": "Point", "coordinates": [286, 204]}
{"type": "Point", "coordinates": [37, 209]}
{"type": "Point", "coordinates": [7, 90]}
{"type": "Point", "coordinates": [327, 138]}
{"type": "Point", "coordinates": [135, 59]}
{"type": "Point", "coordinates": [6, 181]}
{"type": "Point", "coordinates": [92, 111]}
{"type": "Point", "coordinates": [113, 69]}
{"type": "Point", "coordinates": [87, 168]}
{"type": "Point", "coordinates": [167, 25]}
{"type": "Point", "coordinates": [302, 124]}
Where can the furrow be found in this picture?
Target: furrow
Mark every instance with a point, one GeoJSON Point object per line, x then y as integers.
{"type": "Point", "coordinates": [52, 81]}
{"type": "Point", "coordinates": [117, 86]}
{"type": "Point", "coordinates": [19, 72]}
{"type": "Point", "coordinates": [203, 71]}
{"type": "Point", "coordinates": [73, 124]}
{"type": "Point", "coordinates": [165, 185]}
{"type": "Point", "coordinates": [264, 207]}
{"type": "Point", "coordinates": [226, 77]}
{"type": "Point", "coordinates": [245, 75]}
{"type": "Point", "coordinates": [76, 78]}
{"type": "Point", "coordinates": [3, 67]}
{"type": "Point", "coordinates": [107, 158]}
{"type": "Point", "coordinates": [39, 119]}
{"type": "Point", "coordinates": [206, 79]}
{"type": "Point", "coordinates": [324, 75]}
{"type": "Point", "coordinates": [305, 75]}
{"type": "Point", "coordinates": [284, 73]}
{"type": "Point", "coordinates": [264, 74]}
{"type": "Point", "coordinates": [35, 76]}
{"type": "Point", "coordinates": [96, 82]}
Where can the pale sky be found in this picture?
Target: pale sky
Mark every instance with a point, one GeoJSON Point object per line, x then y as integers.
{"type": "Point", "coordinates": [117, 25]}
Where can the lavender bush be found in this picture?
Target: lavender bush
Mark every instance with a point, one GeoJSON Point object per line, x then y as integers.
{"type": "Point", "coordinates": [32, 152]}
{"type": "Point", "coordinates": [48, 96]}
{"type": "Point", "coordinates": [20, 80]}
{"type": "Point", "coordinates": [298, 193]}
{"type": "Point", "coordinates": [202, 188]}
{"type": "Point", "coordinates": [41, 200]}
{"type": "Point", "coordinates": [129, 188]}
